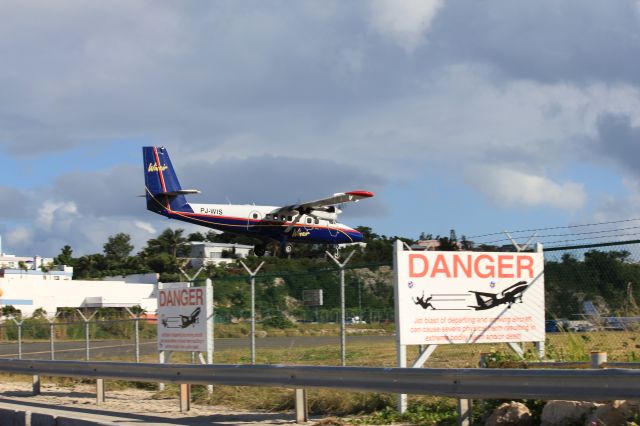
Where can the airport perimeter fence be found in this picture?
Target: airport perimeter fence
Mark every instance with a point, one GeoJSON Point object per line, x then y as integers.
{"type": "Point", "coordinates": [298, 318]}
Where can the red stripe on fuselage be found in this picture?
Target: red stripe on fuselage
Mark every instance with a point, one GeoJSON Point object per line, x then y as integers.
{"type": "Point", "coordinates": [266, 222]}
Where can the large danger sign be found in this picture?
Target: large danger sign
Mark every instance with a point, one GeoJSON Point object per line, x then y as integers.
{"type": "Point", "coordinates": [469, 297]}
{"type": "Point", "coordinates": [182, 318]}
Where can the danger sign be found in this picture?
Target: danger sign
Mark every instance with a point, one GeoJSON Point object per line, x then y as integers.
{"type": "Point", "coordinates": [183, 313]}
{"type": "Point", "coordinates": [469, 297]}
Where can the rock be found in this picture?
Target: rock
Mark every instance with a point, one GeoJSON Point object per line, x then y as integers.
{"type": "Point", "coordinates": [566, 412]}
{"type": "Point", "coordinates": [510, 413]}
{"type": "Point", "coordinates": [614, 413]}
{"type": "Point", "coordinates": [261, 334]}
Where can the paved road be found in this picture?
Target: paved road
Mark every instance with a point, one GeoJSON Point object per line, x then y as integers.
{"type": "Point", "coordinates": [125, 349]}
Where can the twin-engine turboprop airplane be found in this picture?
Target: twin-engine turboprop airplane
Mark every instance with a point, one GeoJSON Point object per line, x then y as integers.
{"type": "Point", "coordinates": [313, 222]}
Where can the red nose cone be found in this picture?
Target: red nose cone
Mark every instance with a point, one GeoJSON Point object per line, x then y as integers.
{"type": "Point", "coordinates": [365, 194]}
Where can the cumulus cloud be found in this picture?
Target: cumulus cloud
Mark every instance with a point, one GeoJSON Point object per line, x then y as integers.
{"type": "Point", "coordinates": [405, 22]}
{"type": "Point", "coordinates": [52, 211]}
{"type": "Point", "coordinates": [145, 226]}
{"type": "Point", "coordinates": [267, 104]}
{"type": "Point", "coordinates": [618, 139]}
{"type": "Point", "coordinates": [511, 188]}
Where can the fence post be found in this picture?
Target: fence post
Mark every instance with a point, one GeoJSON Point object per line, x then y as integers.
{"type": "Point", "coordinates": [86, 331]}
{"type": "Point", "coordinates": [51, 335]}
{"type": "Point", "coordinates": [598, 359]}
{"type": "Point", "coordinates": [19, 324]}
{"type": "Point", "coordinates": [252, 275]}
{"type": "Point", "coordinates": [343, 344]}
{"type": "Point", "coordinates": [136, 321]}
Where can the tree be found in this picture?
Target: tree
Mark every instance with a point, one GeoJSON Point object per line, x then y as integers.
{"type": "Point", "coordinates": [196, 236]}
{"type": "Point", "coordinates": [118, 248]}
{"type": "Point", "coordinates": [65, 257]}
{"type": "Point", "coordinates": [169, 241]}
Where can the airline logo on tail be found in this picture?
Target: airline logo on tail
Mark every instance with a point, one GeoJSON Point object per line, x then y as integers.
{"type": "Point", "coordinates": [153, 167]}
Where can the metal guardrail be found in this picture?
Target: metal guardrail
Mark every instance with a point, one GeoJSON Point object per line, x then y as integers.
{"type": "Point", "coordinates": [543, 384]}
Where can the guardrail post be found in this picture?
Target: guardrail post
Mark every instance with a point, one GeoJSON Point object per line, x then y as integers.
{"type": "Point", "coordinates": [302, 408]}
{"type": "Point", "coordinates": [185, 397]}
{"type": "Point", "coordinates": [598, 359]}
{"type": "Point", "coordinates": [464, 412]}
{"type": "Point", "coordinates": [36, 385]}
{"type": "Point", "coordinates": [100, 394]}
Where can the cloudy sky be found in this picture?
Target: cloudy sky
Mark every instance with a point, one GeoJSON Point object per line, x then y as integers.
{"type": "Point", "coordinates": [474, 115]}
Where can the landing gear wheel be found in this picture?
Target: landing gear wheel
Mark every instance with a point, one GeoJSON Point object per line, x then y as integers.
{"type": "Point", "coordinates": [259, 250]}
{"type": "Point", "coordinates": [286, 249]}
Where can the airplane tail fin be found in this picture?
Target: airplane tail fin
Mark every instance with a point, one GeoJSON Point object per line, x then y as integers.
{"type": "Point", "coordinates": [162, 188]}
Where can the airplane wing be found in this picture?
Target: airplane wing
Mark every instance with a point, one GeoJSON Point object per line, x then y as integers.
{"type": "Point", "coordinates": [339, 198]}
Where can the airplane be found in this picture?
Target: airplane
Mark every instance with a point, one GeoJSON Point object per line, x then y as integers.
{"type": "Point", "coordinates": [182, 321]}
{"type": "Point", "coordinates": [313, 222]}
{"type": "Point", "coordinates": [188, 320]}
{"type": "Point", "coordinates": [510, 295]}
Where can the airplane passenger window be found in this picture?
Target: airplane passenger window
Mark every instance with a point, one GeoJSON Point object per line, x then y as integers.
{"type": "Point", "coordinates": [317, 221]}
{"type": "Point", "coordinates": [309, 220]}
{"type": "Point", "coordinates": [289, 218]}
{"type": "Point", "coordinates": [255, 215]}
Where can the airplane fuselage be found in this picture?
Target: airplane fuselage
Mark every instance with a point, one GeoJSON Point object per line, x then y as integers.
{"type": "Point", "coordinates": [267, 223]}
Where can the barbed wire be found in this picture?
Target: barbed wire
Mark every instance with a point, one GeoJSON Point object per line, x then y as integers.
{"type": "Point", "coordinates": [573, 234]}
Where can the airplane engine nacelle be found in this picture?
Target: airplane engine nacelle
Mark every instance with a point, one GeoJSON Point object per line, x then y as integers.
{"type": "Point", "coordinates": [320, 214]}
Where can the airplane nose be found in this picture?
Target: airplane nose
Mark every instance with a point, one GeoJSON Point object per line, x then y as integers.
{"type": "Point", "coordinates": [356, 236]}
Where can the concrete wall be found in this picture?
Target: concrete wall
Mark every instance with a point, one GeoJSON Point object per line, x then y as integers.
{"type": "Point", "coordinates": [31, 294]}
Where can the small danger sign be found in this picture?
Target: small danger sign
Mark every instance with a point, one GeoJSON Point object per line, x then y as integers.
{"type": "Point", "coordinates": [182, 318]}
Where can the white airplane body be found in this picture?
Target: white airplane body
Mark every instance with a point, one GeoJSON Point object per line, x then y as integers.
{"type": "Point", "coordinates": [312, 222]}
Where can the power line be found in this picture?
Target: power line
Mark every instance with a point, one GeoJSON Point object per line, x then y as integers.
{"type": "Point", "coordinates": [553, 228]}
{"type": "Point", "coordinates": [572, 234]}
{"type": "Point", "coordinates": [591, 238]}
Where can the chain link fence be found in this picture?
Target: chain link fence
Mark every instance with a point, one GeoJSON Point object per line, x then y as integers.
{"type": "Point", "coordinates": [591, 294]}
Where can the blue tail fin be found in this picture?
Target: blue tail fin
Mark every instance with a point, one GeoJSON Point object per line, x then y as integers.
{"type": "Point", "coordinates": [162, 187]}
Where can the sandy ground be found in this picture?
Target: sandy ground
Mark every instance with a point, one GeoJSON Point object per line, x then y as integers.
{"type": "Point", "coordinates": [128, 407]}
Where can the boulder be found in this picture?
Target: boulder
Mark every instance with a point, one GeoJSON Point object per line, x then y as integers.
{"type": "Point", "coordinates": [614, 413]}
{"type": "Point", "coordinates": [566, 412]}
{"type": "Point", "coordinates": [512, 414]}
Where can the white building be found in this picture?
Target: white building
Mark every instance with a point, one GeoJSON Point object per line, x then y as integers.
{"type": "Point", "coordinates": [202, 253]}
{"type": "Point", "coordinates": [27, 286]}
{"type": "Point", "coordinates": [31, 293]}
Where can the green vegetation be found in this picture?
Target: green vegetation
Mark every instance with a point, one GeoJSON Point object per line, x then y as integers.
{"type": "Point", "coordinates": [610, 278]}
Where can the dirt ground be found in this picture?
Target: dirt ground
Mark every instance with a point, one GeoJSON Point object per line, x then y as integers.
{"type": "Point", "coordinates": [128, 406]}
